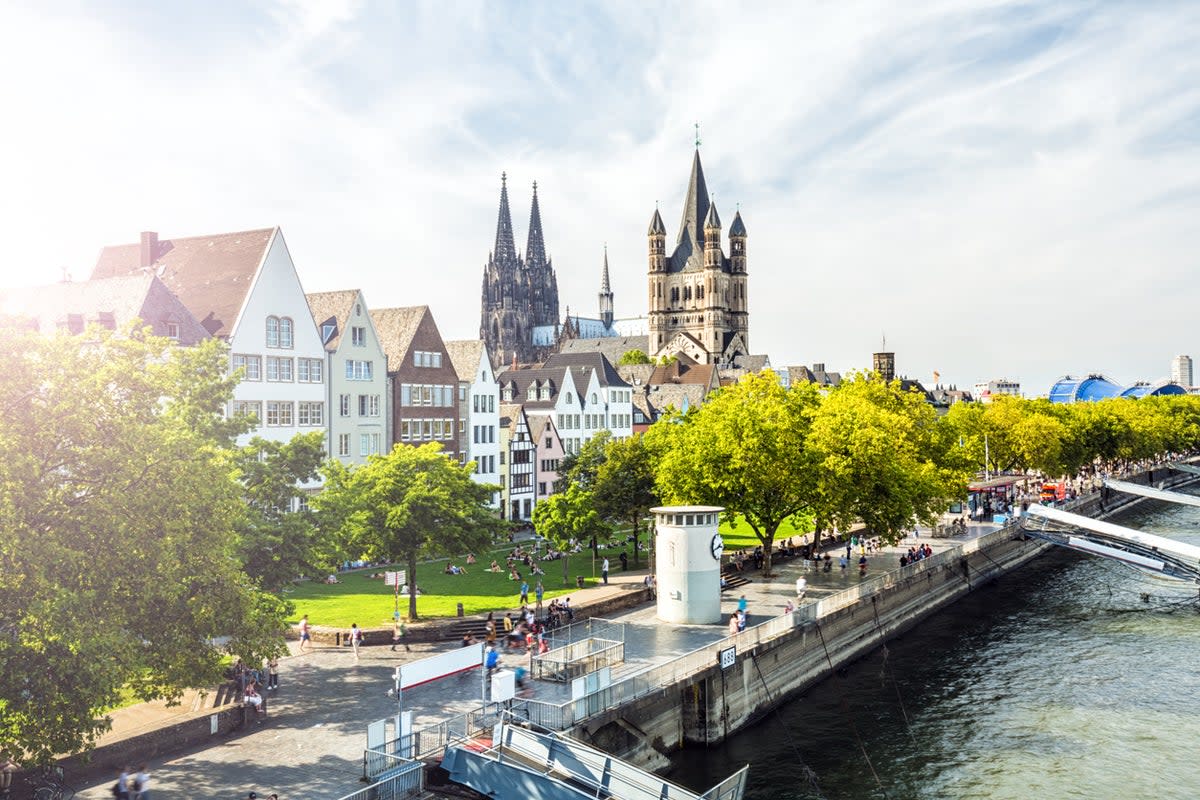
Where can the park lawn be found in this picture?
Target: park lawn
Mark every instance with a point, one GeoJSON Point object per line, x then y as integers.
{"type": "Point", "coordinates": [742, 537]}
{"type": "Point", "coordinates": [368, 602]}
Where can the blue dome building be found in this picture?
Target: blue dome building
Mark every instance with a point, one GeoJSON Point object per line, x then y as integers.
{"type": "Point", "coordinates": [1091, 388]}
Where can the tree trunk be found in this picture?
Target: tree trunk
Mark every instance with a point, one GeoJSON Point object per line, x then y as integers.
{"type": "Point", "coordinates": [635, 539]}
{"type": "Point", "coordinates": [566, 559]}
{"type": "Point", "coordinates": [412, 587]}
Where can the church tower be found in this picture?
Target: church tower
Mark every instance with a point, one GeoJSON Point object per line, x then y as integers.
{"type": "Point", "coordinates": [606, 295]}
{"type": "Point", "coordinates": [697, 293]}
{"type": "Point", "coordinates": [518, 294]}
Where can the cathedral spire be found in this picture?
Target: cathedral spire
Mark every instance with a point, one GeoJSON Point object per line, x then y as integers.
{"type": "Point", "coordinates": [535, 248]}
{"type": "Point", "coordinates": [606, 295]}
{"type": "Point", "coordinates": [506, 250]}
{"type": "Point", "coordinates": [604, 285]}
{"type": "Point", "coordinates": [695, 207]}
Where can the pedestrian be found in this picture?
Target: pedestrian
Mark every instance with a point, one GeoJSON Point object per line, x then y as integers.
{"type": "Point", "coordinates": [491, 660]}
{"type": "Point", "coordinates": [141, 784]}
{"type": "Point", "coordinates": [538, 592]}
{"type": "Point", "coordinates": [843, 562]}
{"type": "Point", "coordinates": [524, 593]}
{"type": "Point", "coordinates": [741, 620]}
{"type": "Point", "coordinates": [624, 559]}
{"type": "Point", "coordinates": [733, 624]}
{"type": "Point", "coordinates": [801, 587]}
{"type": "Point", "coordinates": [355, 638]}
{"type": "Point", "coordinates": [121, 790]}
{"type": "Point", "coordinates": [272, 673]}
{"type": "Point", "coordinates": [305, 639]}
{"type": "Point", "coordinates": [789, 607]}
{"type": "Point", "coordinates": [7, 767]}
{"type": "Point", "coordinates": [742, 604]}
{"type": "Point", "coordinates": [862, 566]}
{"type": "Point", "coordinates": [604, 570]}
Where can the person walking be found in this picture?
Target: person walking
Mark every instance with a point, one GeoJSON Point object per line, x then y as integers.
{"type": "Point", "coordinates": [305, 638]}
{"type": "Point", "coordinates": [524, 593]}
{"type": "Point", "coordinates": [604, 570]}
{"type": "Point", "coordinates": [355, 638]}
{"type": "Point", "coordinates": [121, 790]}
{"type": "Point", "coordinates": [539, 592]}
{"type": "Point", "coordinates": [801, 587]}
{"type": "Point", "coordinates": [272, 673]}
{"type": "Point", "coordinates": [141, 784]}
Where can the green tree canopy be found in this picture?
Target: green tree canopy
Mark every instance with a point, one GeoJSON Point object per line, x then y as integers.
{"type": "Point", "coordinates": [118, 507]}
{"type": "Point", "coordinates": [568, 516]}
{"type": "Point", "coordinates": [881, 458]}
{"type": "Point", "coordinates": [276, 541]}
{"type": "Point", "coordinates": [411, 504]}
{"type": "Point", "coordinates": [624, 483]}
{"type": "Point", "coordinates": [581, 468]}
{"type": "Point", "coordinates": [744, 449]}
{"type": "Point", "coordinates": [635, 357]}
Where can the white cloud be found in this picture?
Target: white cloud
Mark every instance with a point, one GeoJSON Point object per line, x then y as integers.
{"type": "Point", "coordinates": [1002, 189]}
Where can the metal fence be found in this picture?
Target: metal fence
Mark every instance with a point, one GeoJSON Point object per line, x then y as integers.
{"type": "Point", "coordinates": [593, 628]}
{"type": "Point", "coordinates": [577, 658]}
{"type": "Point", "coordinates": [404, 780]}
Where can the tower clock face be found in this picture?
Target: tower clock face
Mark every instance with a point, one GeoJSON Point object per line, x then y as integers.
{"type": "Point", "coordinates": [717, 546]}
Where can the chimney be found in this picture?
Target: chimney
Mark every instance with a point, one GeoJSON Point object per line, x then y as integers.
{"type": "Point", "coordinates": [149, 248]}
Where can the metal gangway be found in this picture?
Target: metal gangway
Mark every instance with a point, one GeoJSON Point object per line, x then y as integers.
{"type": "Point", "coordinates": [1144, 550]}
{"type": "Point", "coordinates": [518, 763]}
{"type": "Point", "coordinates": [1153, 493]}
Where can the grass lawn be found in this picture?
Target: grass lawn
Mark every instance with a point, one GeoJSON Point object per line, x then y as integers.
{"type": "Point", "coordinates": [370, 603]}
{"type": "Point", "coordinates": [742, 537]}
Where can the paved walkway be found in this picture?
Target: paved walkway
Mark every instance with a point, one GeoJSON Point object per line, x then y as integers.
{"type": "Point", "coordinates": [311, 743]}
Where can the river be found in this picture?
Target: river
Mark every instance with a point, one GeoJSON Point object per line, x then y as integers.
{"type": "Point", "coordinates": [1058, 681]}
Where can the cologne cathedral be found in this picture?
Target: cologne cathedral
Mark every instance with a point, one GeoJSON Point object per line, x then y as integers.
{"type": "Point", "coordinates": [519, 294]}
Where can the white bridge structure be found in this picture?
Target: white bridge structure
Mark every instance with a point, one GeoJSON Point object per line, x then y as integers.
{"type": "Point", "coordinates": [1144, 550]}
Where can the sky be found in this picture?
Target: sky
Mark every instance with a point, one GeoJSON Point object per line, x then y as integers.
{"type": "Point", "coordinates": [1001, 189]}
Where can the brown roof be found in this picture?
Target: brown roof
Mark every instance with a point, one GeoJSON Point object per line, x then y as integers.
{"type": "Point", "coordinates": [510, 415]}
{"type": "Point", "coordinates": [110, 302]}
{"type": "Point", "coordinates": [210, 274]}
{"type": "Point", "coordinates": [396, 328]}
{"type": "Point", "coordinates": [538, 424]}
{"type": "Point", "coordinates": [465, 354]}
{"type": "Point", "coordinates": [335, 307]}
{"type": "Point", "coordinates": [680, 371]}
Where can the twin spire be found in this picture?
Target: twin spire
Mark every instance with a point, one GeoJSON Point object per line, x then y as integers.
{"type": "Point", "coordinates": [535, 248]}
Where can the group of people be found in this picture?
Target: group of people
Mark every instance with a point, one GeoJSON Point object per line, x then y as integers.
{"type": "Point", "coordinates": [132, 785]}
{"type": "Point", "coordinates": [248, 679]}
{"type": "Point", "coordinates": [915, 554]}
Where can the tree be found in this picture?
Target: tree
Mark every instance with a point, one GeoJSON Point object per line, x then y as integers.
{"type": "Point", "coordinates": [881, 458]}
{"type": "Point", "coordinates": [569, 517]}
{"type": "Point", "coordinates": [634, 357]}
{"type": "Point", "coordinates": [413, 503]}
{"type": "Point", "coordinates": [744, 449]}
{"type": "Point", "coordinates": [118, 509]}
{"type": "Point", "coordinates": [581, 467]}
{"type": "Point", "coordinates": [624, 484]}
{"type": "Point", "coordinates": [276, 541]}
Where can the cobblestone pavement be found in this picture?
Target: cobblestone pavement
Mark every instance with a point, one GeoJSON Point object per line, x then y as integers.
{"type": "Point", "coordinates": [310, 744]}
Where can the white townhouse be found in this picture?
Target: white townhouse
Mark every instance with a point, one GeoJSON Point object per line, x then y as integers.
{"type": "Point", "coordinates": [356, 376]}
{"type": "Point", "coordinates": [242, 287]}
{"type": "Point", "coordinates": [478, 409]}
{"type": "Point", "coordinates": [582, 392]}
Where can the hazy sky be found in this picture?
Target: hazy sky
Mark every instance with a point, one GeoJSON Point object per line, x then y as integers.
{"type": "Point", "coordinates": [1003, 189]}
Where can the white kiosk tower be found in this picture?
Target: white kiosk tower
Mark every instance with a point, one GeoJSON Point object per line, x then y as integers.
{"type": "Point", "coordinates": [688, 555]}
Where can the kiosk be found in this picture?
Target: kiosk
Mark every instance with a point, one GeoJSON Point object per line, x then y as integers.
{"type": "Point", "coordinates": [688, 552]}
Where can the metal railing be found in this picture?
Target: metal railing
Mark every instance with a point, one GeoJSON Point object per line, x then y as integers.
{"type": "Point", "coordinates": [406, 779]}
{"type": "Point", "coordinates": [577, 658]}
{"type": "Point", "coordinates": [593, 628]}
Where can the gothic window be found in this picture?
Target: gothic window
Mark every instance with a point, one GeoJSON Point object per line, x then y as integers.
{"type": "Point", "coordinates": [687, 293]}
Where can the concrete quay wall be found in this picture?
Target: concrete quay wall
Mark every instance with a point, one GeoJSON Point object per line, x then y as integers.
{"type": "Point", "coordinates": [707, 707]}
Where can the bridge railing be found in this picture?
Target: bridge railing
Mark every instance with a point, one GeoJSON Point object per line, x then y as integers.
{"type": "Point", "coordinates": [397, 778]}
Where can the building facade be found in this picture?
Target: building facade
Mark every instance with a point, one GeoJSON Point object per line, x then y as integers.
{"type": "Point", "coordinates": [519, 293]}
{"type": "Point", "coordinates": [424, 384]}
{"type": "Point", "coordinates": [479, 407]}
{"type": "Point", "coordinates": [986, 391]}
{"type": "Point", "coordinates": [243, 287]}
{"type": "Point", "coordinates": [697, 294]}
{"type": "Point", "coordinates": [549, 455]}
{"type": "Point", "coordinates": [517, 458]}
{"type": "Point", "coordinates": [1181, 371]}
{"type": "Point", "coordinates": [358, 399]}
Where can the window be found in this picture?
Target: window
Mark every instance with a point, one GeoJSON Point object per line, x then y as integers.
{"type": "Point", "coordinates": [272, 331]}
{"type": "Point", "coordinates": [368, 405]}
{"type": "Point", "coordinates": [279, 413]}
{"type": "Point", "coordinates": [406, 394]}
{"type": "Point", "coordinates": [344, 405]}
{"type": "Point", "coordinates": [173, 331]}
{"type": "Point", "coordinates": [327, 331]}
{"type": "Point", "coordinates": [358, 370]}
{"type": "Point", "coordinates": [368, 444]}
{"type": "Point", "coordinates": [310, 370]}
{"type": "Point", "coordinates": [593, 397]}
{"type": "Point", "coordinates": [522, 480]}
{"type": "Point", "coordinates": [285, 333]}
{"type": "Point", "coordinates": [279, 369]}
{"type": "Point", "coordinates": [312, 414]}
{"type": "Point", "coordinates": [541, 488]}
{"type": "Point", "coordinates": [491, 404]}
{"type": "Point", "coordinates": [570, 398]}
{"type": "Point", "coordinates": [549, 442]}
{"type": "Point", "coordinates": [343, 444]}
{"type": "Point", "coordinates": [520, 457]}
{"type": "Point", "coordinates": [426, 396]}
{"type": "Point", "coordinates": [422, 358]}
{"type": "Point", "coordinates": [252, 365]}
{"type": "Point", "coordinates": [502, 458]}
{"type": "Point", "coordinates": [405, 430]}
{"type": "Point", "coordinates": [245, 408]}
{"type": "Point", "coordinates": [462, 426]}
{"type": "Point", "coordinates": [358, 336]}
{"type": "Point", "coordinates": [462, 392]}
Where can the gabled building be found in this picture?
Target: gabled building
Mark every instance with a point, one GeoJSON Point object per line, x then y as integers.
{"type": "Point", "coordinates": [517, 456]}
{"type": "Point", "coordinates": [242, 287]}
{"type": "Point", "coordinates": [358, 398]}
{"type": "Point", "coordinates": [549, 456]}
{"type": "Point", "coordinates": [479, 407]}
{"type": "Point", "coordinates": [111, 303]}
{"type": "Point", "coordinates": [424, 383]}
{"type": "Point", "coordinates": [582, 391]}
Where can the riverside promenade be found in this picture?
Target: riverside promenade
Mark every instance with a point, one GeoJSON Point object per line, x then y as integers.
{"type": "Point", "coordinates": [310, 744]}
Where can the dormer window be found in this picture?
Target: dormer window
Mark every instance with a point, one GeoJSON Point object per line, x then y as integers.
{"type": "Point", "coordinates": [570, 398]}
{"type": "Point", "coordinates": [532, 394]}
{"type": "Point", "coordinates": [173, 330]}
{"type": "Point", "coordinates": [593, 397]}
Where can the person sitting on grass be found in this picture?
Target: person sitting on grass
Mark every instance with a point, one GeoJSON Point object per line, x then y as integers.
{"type": "Point", "coordinates": [494, 567]}
{"type": "Point", "coordinates": [470, 558]}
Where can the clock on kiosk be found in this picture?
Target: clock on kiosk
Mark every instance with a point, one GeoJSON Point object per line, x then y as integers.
{"type": "Point", "coordinates": [717, 546]}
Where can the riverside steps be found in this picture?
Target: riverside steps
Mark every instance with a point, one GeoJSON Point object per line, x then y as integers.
{"type": "Point", "coordinates": [703, 696]}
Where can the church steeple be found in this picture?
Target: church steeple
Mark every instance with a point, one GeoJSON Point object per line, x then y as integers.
{"type": "Point", "coordinates": [695, 207]}
{"type": "Point", "coordinates": [506, 250]}
{"type": "Point", "coordinates": [606, 295]}
{"type": "Point", "coordinates": [535, 248]}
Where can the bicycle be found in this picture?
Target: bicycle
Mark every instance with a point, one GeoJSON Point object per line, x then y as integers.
{"type": "Point", "coordinates": [48, 784]}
